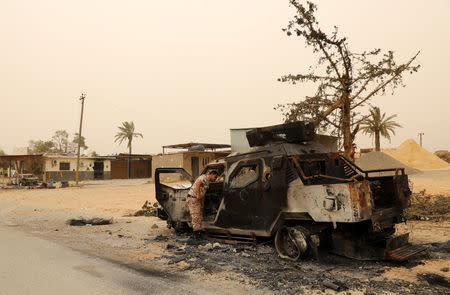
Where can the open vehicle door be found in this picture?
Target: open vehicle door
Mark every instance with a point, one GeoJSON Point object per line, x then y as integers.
{"type": "Point", "coordinates": [172, 186]}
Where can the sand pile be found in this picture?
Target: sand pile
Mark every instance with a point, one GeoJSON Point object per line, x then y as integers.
{"type": "Point", "coordinates": [413, 155]}
{"type": "Point", "coordinates": [380, 160]}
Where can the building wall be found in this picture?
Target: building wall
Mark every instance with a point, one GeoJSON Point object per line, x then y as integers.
{"type": "Point", "coordinates": [68, 175]}
{"type": "Point", "coordinates": [139, 168]}
{"type": "Point", "coordinates": [86, 170]}
{"type": "Point", "coordinates": [203, 159]}
{"type": "Point", "coordinates": [52, 164]}
{"type": "Point", "coordinates": [174, 160]}
{"type": "Point", "coordinates": [119, 169]}
{"type": "Point", "coordinates": [239, 142]}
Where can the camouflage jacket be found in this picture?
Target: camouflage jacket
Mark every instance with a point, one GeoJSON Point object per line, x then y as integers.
{"type": "Point", "coordinates": [204, 185]}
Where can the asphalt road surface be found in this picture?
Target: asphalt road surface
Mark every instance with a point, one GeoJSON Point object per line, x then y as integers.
{"type": "Point", "coordinates": [30, 265]}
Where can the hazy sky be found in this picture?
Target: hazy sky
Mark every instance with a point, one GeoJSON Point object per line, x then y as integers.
{"type": "Point", "coordinates": [190, 70]}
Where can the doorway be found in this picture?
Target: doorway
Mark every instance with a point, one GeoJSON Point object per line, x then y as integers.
{"type": "Point", "coordinates": [194, 167]}
{"type": "Point", "coordinates": [98, 170]}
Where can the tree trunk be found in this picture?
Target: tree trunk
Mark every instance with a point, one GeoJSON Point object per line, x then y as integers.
{"type": "Point", "coordinates": [377, 141]}
{"type": "Point", "coordinates": [345, 126]}
{"type": "Point", "coordinates": [129, 144]}
{"type": "Point", "coordinates": [129, 158]}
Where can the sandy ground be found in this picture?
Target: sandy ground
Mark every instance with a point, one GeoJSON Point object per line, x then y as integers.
{"type": "Point", "coordinates": [134, 242]}
{"type": "Point", "coordinates": [432, 181]}
{"type": "Point", "coordinates": [117, 200]}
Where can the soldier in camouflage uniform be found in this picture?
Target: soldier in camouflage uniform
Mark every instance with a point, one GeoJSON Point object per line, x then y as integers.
{"type": "Point", "coordinates": [196, 199]}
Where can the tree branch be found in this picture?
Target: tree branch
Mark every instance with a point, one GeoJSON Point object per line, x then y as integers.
{"type": "Point", "coordinates": [398, 72]}
{"type": "Point", "coordinates": [325, 114]}
{"type": "Point", "coordinates": [354, 132]}
{"type": "Point", "coordinates": [312, 30]}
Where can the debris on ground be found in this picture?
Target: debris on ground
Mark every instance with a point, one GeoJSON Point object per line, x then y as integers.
{"type": "Point", "coordinates": [435, 279]}
{"type": "Point", "coordinates": [205, 247]}
{"type": "Point", "coordinates": [264, 269]}
{"type": "Point", "coordinates": [89, 221]}
{"type": "Point", "coordinates": [161, 238]}
{"type": "Point", "coordinates": [331, 285]}
{"type": "Point", "coordinates": [428, 207]}
{"type": "Point", "coordinates": [147, 210]}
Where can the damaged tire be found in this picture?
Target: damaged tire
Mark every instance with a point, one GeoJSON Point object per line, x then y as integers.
{"type": "Point", "coordinates": [292, 242]}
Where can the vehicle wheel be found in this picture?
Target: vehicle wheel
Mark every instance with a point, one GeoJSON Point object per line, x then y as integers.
{"type": "Point", "coordinates": [292, 242]}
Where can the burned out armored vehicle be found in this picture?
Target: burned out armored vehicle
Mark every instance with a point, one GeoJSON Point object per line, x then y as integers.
{"type": "Point", "coordinates": [294, 191]}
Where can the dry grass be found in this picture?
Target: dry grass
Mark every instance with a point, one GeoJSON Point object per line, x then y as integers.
{"type": "Point", "coordinates": [429, 207]}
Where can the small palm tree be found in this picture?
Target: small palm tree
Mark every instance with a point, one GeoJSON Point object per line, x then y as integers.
{"type": "Point", "coordinates": [126, 132]}
{"type": "Point", "coordinates": [377, 124]}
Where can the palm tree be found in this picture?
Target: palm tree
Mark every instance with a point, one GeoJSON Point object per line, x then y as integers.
{"type": "Point", "coordinates": [377, 124]}
{"type": "Point", "coordinates": [126, 132]}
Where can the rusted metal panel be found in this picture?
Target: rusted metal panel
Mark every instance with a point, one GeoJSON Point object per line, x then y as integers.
{"type": "Point", "coordinates": [386, 218]}
{"type": "Point", "coordinates": [398, 248]}
{"type": "Point", "coordinates": [402, 191]}
{"type": "Point", "coordinates": [139, 168]}
{"type": "Point", "coordinates": [405, 252]}
{"type": "Point", "coordinates": [119, 169]}
{"type": "Point", "coordinates": [360, 199]}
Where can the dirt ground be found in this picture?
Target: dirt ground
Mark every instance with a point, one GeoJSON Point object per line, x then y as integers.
{"type": "Point", "coordinates": [432, 181]}
{"type": "Point", "coordinates": [145, 244]}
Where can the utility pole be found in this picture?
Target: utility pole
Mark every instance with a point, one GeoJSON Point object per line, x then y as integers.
{"type": "Point", "coordinates": [420, 137]}
{"type": "Point", "coordinates": [83, 96]}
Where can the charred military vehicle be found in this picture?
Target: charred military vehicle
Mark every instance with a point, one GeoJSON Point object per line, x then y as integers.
{"type": "Point", "coordinates": [292, 190]}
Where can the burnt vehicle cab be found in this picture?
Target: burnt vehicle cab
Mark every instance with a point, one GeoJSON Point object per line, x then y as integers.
{"type": "Point", "coordinates": [290, 189]}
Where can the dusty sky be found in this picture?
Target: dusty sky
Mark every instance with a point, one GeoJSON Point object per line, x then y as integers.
{"type": "Point", "coordinates": [190, 70]}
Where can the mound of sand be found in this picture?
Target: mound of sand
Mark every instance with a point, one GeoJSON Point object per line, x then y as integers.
{"type": "Point", "coordinates": [415, 156]}
{"type": "Point", "coordinates": [380, 160]}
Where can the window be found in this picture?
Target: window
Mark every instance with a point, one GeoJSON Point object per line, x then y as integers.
{"type": "Point", "coordinates": [64, 166]}
{"type": "Point", "coordinates": [205, 161]}
{"type": "Point", "coordinates": [244, 176]}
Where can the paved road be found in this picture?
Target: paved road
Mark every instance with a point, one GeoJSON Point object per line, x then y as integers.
{"type": "Point", "coordinates": [30, 265]}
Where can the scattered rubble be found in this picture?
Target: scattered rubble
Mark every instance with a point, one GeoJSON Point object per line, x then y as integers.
{"type": "Point", "coordinates": [208, 246]}
{"type": "Point", "coordinates": [89, 221]}
{"type": "Point", "coordinates": [265, 270]}
{"type": "Point", "coordinates": [435, 279]}
{"type": "Point", "coordinates": [332, 285]}
{"type": "Point", "coordinates": [147, 210]}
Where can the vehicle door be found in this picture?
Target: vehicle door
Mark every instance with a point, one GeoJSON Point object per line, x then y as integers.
{"type": "Point", "coordinates": [241, 196]}
{"type": "Point", "coordinates": [172, 186]}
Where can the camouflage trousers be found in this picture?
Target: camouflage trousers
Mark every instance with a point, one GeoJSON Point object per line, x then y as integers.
{"type": "Point", "coordinates": [195, 209]}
